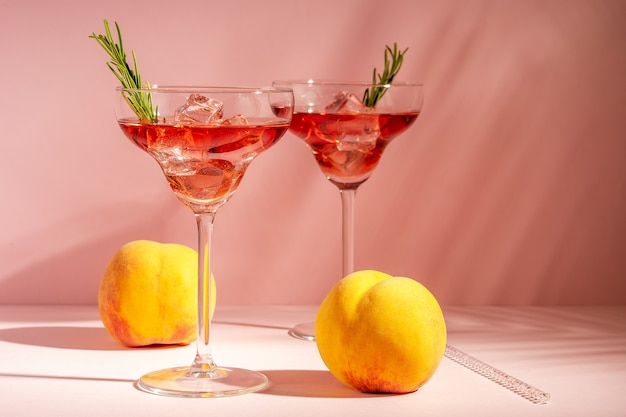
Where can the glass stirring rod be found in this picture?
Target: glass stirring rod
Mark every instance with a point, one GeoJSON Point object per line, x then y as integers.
{"type": "Point", "coordinates": [519, 387]}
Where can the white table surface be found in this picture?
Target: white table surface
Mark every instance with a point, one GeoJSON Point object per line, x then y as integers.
{"type": "Point", "coordinates": [59, 361]}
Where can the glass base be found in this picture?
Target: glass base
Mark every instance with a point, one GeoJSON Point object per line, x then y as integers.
{"type": "Point", "coordinates": [221, 382]}
{"type": "Point", "coordinates": [303, 331]}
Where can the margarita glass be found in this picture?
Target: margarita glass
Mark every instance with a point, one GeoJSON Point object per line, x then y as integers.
{"type": "Point", "coordinates": [204, 138]}
{"type": "Point", "coordinates": [347, 140]}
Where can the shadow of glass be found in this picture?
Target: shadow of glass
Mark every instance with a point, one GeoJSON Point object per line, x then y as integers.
{"type": "Point", "coordinates": [263, 326]}
{"type": "Point", "coordinates": [66, 337]}
{"type": "Point", "coordinates": [65, 377]}
{"type": "Point", "coordinates": [309, 383]}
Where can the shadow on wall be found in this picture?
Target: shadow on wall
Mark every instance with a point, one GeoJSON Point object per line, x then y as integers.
{"type": "Point", "coordinates": [63, 265]}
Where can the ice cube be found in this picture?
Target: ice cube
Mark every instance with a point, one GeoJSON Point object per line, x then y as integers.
{"type": "Point", "coordinates": [364, 142]}
{"type": "Point", "coordinates": [347, 103]}
{"type": "Point", "coordinates": [357, 132]}
{"type": "Point", "coordinates": [199, 110]}
{"type": "Point", "coordinates": [237, 120]}
{"type": "Point", "coordinates": [350, 132]}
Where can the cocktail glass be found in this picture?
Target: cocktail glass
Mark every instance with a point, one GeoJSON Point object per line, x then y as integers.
{"type": "Point", "coordinates": [204, 138]}
{"type": "Point", "coordinates": [348, 139]}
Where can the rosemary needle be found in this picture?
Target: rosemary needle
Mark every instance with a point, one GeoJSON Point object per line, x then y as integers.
{"type": "Point", "coordinates": [393, 62]}
{"type": "Point", "coordinates": [139, 101]}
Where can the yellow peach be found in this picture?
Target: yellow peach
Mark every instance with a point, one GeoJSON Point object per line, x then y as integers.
{"type": "Point", "coordinates": [380, 334]}
{"type": "Point", "coordinates": [148, 294]}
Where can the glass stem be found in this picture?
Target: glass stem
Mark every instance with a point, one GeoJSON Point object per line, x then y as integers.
{"type": "Point", "coordinates": [347, 204]}
{"type": "Point", "coordinates": [203, 365]}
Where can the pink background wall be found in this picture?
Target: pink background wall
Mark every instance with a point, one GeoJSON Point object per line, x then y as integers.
{"type": "Point", "coordinates": [510, 188]}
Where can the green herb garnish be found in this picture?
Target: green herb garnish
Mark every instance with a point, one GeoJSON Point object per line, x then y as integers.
{"type": "Point", "coordinates": [392, 66]}
{"type": "Point", "coordinates": [139, 101]}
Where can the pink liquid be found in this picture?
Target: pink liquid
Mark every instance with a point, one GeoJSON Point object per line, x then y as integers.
{"type": "Point", "coordinates": [349, 164]}
{"type": "Point", "coordinates": [203, 164]}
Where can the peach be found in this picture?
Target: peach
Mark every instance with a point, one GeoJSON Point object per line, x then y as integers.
{"type": "Point", "coordinates": [380, 334]}
{"type": "Point", "coordinates": [148, 294]}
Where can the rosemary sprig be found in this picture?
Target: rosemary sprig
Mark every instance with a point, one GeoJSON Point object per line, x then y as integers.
{"type": "Point", "coordinates": [139, 101]}
{"type": "Point", "coordinates": [393, 62]}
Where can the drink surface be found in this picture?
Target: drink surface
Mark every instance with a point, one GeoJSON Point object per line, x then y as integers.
{"type": "Point", "coordinates": [348, 147]}
{"type": "Point", "coordinates": [203, 164]}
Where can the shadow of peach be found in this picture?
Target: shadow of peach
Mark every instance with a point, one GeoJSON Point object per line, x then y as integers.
{"type": "Point", "coordinates": [309, 383]}
{"type": "Point", "coordinates": [67, 337]}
